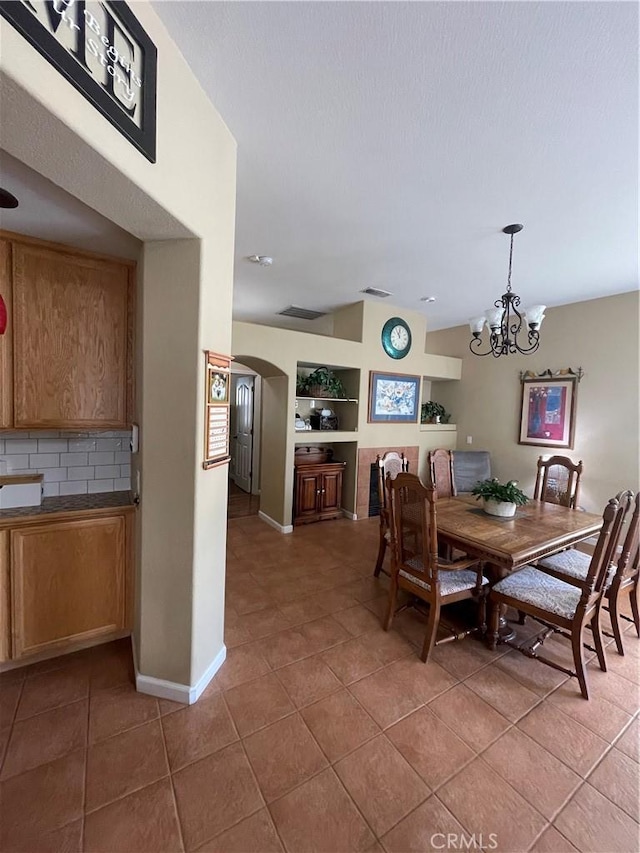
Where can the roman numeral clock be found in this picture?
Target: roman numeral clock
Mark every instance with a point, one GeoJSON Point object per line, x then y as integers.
{"type": "Point", "coordinates": [396, 337]}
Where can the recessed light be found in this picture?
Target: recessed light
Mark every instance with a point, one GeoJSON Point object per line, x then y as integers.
{"type": "Point", "coordinates": [428, 299]}
{"type": "Point", "coordinates": [263, 260]}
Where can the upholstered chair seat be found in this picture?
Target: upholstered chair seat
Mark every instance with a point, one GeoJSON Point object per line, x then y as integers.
{"type": "Point", "coordinates": [534, 587]}
{"type": "Point", "coordinates": [450, 582]}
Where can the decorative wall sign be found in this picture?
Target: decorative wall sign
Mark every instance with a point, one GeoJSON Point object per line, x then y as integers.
{"type": "Point", "coordinates": [216, 425]}
{"type": "Point", "coordinates": [393, 398]}
{"type": "Point", "coordinates": [102, 50]}
{"type": "Point", "coordinates": [548, 407]}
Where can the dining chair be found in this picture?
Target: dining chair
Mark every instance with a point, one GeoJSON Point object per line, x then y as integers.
{"type": "Point", "coordinates": [441, 471]}
{"type": "Point", "coordinates": [558, 481]}
{"type": "Point", "coordinates": [565, 606]}
{"type": "Point", "coordinates": [391, 463]}
{"type": "Point", "coordinates": [622, 577]}
{"type": "Point", "coordinates": [416, 567]}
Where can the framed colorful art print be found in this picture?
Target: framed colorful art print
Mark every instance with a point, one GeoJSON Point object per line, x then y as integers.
{"type": "Point", "coordinates": [548, 410]}
{"type": "Point", "coordinates": [393, 398]}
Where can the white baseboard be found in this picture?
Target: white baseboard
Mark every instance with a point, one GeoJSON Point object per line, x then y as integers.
{"type": "Point", "coordinates": [175, 691]}
{"type": "Point", "coordinates": [350, 515]}
{"type": "Point", "coordinates": [283, 528]}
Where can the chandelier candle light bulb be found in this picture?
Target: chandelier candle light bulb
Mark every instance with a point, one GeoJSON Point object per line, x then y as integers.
{"type": "Point", "coordinates": [505, 322]}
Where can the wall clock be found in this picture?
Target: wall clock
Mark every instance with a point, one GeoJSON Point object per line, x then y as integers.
{"type": "Point", "coordinates": [396, 338]}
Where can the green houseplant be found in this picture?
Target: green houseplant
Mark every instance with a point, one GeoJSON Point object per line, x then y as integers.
{"type": "Point", "coordinates": [500, 499]}
{"type": "Point", "coordinates": [322, 382]}
{"type": "Point", "coordinates": [431, 412]}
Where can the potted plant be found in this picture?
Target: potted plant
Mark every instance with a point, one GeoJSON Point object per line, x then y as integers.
{"type": "Point", "coordinates": [322, 382]}
{"type": "Point", "coordinates": [500, 499]}
{"type": "Point", "coordinates": [433, 413]}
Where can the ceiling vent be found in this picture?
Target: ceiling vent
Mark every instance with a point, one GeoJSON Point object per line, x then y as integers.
{"type": "Point", "coordinates": [374, 291]}
{"type": "Point", "coordinates": [301, 313]}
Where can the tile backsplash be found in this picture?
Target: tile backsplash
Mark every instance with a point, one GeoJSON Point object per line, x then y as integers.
{"type": "Point", "coordinates": [72, 463]}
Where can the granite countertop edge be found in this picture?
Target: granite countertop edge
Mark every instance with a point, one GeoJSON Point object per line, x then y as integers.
{"type": "Point", "coordinates": [70, 503]}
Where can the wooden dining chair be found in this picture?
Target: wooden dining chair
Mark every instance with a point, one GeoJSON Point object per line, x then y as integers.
{"type": "Point", "coordinates": [391, 463]}
{"type": "Point", "coordinates": [565, 606]}
{"type": "Point", "coordinates": [558, 481]}
{"type": "Point", "coordinates": [623, 574]}
{"type": "Point", "coordinates": [415, 564]}
{"type": "Point", "coordinates": [441, 471]}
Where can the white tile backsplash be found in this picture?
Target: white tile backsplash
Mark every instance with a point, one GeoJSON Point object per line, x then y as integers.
{"type": "Point", "coordinates": [44, 460]}
{"type": "Point", "coordinates": [72, 463]}
{"type": "Point", "coordinates": [104, 457]}
{"type": "Point", "coordinates": [15, 445]}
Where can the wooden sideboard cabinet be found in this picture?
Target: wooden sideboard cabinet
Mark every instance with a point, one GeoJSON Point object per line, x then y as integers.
{"type": "Point", "coordinates": [67, 358]}
{"type": "Point", "coordinates": [65, 583]}
{"type": "Point", "coordinates": [318, 492]}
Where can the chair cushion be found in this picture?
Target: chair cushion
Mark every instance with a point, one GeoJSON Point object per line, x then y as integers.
{"type": "Point", "coordinates": [532, 586]}
{"type": "Point", "coordinates": [573, 563]}
{"type": "Point", "coordinates": [450, 582]}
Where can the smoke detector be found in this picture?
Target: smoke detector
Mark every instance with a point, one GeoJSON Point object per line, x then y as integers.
{"type": "Point", "coordinates": [263, 260]}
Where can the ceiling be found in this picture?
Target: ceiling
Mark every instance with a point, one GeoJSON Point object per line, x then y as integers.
{"type": "Point", "coordinates": [387, 144]}
{"type": "Point", "coordinates": [49, 212]}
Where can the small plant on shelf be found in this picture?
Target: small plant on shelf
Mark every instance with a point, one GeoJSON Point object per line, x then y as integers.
{"type": "Point", "coordinates": [433, 413]}
{"type": "Point", "coordinates": [322, 382]}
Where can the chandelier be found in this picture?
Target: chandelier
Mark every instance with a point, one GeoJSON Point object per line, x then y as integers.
{"type": "Point", "coordinates": [506, 325]}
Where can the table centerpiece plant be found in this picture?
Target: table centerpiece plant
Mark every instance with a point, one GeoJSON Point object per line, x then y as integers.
{"type": "Point", "coordinates": [501, 499]}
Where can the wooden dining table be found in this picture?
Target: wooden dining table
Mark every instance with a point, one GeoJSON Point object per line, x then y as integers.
{"type": "Point", "coordinates": [507, 544]}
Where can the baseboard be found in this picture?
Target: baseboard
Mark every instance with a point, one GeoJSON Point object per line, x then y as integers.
{"type": "Point", "coordinates": [175, 691]}
{"type": "Point", "coordinates": [286, 528]}
{"type": "Point", "coordinates": [350, 515]}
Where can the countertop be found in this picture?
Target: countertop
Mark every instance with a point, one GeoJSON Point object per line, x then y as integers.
{"type": "Point", "coordinates": [69, 503]}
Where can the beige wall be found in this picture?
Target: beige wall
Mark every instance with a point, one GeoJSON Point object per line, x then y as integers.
{"type": "Point", "coordinates": [358, 346]}
{"type": "Point", "coordinates": [599, 335]}
{"type": "Point", "coordinates": [186, 292]}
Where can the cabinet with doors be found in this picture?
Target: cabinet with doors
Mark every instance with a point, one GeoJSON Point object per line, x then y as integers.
{"type": "Point", "coordinates": [318, 492]}
{"type": "Point", "coordinates": [65, 583]}
{"type": "Point", "coordinates": [66, 360]}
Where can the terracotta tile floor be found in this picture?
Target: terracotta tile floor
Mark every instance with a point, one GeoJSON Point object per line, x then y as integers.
{"type": "Point", "coordinates": [321, 732]}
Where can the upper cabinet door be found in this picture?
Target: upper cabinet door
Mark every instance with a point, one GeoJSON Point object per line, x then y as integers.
{"type": "Point", "coordinates": [6, 340]}
{"type": "Point", "coordinates": [72, 340]}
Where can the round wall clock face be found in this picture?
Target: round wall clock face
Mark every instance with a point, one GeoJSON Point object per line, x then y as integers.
{"type": "Point", "coordinates": [396, 338]}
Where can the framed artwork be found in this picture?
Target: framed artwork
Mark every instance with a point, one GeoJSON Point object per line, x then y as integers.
{"type": "Point", "coordinates": [216, 404]}
{"type": "Point", "coordinates": [393, 398]}
{"type": "Point", "coordinates": [548, 409]}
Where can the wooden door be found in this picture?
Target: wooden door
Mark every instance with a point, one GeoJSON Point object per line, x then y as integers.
{"type": "Point", "coordinates": [6, 352]}
{"type": "Point", "coordinates": [307, 494]}
{"type": "Point", "coordinates": [72, 339]}
{"type": "Point", "coordinates": [5, 607]}
{"type": "Point", "coordinates": [331, 492]}
{"type": "Point", "coordinates": [68, 583]}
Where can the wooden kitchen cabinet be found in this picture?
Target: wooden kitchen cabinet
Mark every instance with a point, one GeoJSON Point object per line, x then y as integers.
{"type": "Point", "coordinates": [318, 492]}
{"type": "Point", "coordinates": [71, 582]}
{"type": "Point", "coordinates": [68, 360]}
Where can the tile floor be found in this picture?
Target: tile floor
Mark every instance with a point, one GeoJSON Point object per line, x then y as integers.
{"type": "Point", "coordinates": [321, 732]}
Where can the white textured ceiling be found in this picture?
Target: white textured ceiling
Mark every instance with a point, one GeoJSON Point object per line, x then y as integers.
{"type": "Point", "coordinates": [49, 212]}
{"type": "Point", "coordinates": [387, 144]}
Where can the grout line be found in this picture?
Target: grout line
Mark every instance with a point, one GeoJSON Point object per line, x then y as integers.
{"type": "Point", "coordinates": [173, 790]}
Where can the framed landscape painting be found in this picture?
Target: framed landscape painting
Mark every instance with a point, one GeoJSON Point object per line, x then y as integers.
{"type": "Point", "coordinates": [393, 398]}
{"type": "Point", "coordinates": [547, 416]}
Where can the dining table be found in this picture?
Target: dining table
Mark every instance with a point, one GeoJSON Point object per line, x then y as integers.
{"type": "Point", "coordinates": [505, 545]}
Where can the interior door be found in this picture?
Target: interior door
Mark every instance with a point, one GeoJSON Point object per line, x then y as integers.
{"type": "Point", "coordinates": [242, 442]}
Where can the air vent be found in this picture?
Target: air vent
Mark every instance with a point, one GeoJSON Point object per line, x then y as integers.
{"type": "Point", "coordinates": [301, 313]}
{"type": "Point", "coordinates": [374, 291]}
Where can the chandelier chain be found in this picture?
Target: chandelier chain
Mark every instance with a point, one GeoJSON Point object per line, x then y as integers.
{"type": "Point", "coordinates": [510, 262]}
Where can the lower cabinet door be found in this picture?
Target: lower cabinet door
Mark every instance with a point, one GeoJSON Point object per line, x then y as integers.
{"type": "Point", "coordinates": [331, 492]}
{"type": "Point", "coordinates": [5, 598]}
{"type": "Point", "coordinates": [68, 583]}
